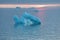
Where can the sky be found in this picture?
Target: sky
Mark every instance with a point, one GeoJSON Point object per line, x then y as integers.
{"type": "Point", "coordinates": [29, 1]}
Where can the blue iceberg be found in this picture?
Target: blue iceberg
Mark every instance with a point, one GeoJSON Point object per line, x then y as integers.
{"type": "Point", "coordinates": [27, 19]}
{"type": "Point", "coordinates": [17, 20]}
{"type": "Point", "coordinates": [35, 20]}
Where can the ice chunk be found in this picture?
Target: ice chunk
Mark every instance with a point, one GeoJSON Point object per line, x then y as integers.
{"type": "Point", "coordinates": [27, 19]}
{"type": "Point", "coordinates": [35, 20]}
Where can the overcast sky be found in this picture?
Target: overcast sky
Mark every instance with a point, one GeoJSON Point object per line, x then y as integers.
{"type": "Point", "coordinates": [29, 1]}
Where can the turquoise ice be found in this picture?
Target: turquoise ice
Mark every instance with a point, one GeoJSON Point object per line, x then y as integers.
{"type": "Point", "coordinates": [27, 19]}
{"type": "Point", "coordinates": [35, 20]}
{"type": "Point", "coordinates": [18, 20]}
